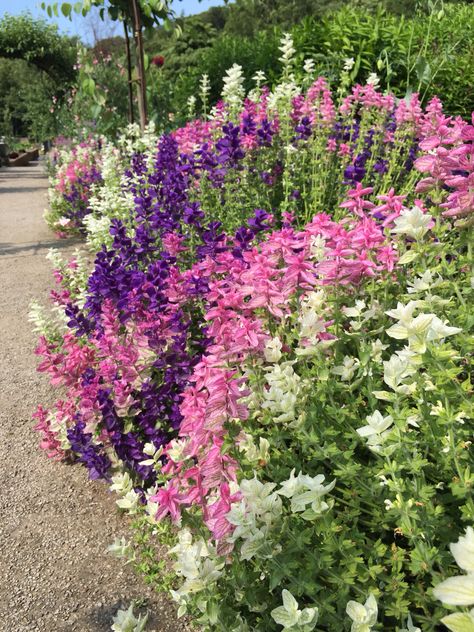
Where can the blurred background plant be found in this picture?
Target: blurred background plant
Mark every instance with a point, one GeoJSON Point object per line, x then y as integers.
{"type": "Point", "coordinates": [410, 46]}
{"type": "Point", "coordinates": [36, 72]}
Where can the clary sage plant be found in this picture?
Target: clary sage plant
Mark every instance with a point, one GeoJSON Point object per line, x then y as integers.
{"type": "Point", "coordinates": [269, 359]}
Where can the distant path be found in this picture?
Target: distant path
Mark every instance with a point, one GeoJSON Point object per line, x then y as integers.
{"type": "Point", "coordinates": [55, 525]}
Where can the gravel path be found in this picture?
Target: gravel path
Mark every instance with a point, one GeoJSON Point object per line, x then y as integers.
{"type": "Point", "coordinates": [55, 525]}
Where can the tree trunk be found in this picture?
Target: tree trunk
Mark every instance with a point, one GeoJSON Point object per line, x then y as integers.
{"type": "Point", "coordinates": [137, 28]}
{"type": "Point", "coordinates": [131, 117]}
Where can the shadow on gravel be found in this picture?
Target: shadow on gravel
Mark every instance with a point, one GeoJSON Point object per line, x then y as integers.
{"type": "Point", "coordinates": [19, 189]}
{"type": "Point", "coordinates": [33, 170]}
{"type": "Point", "coordinates": [21, 170]}
{"type": "Point", "coordinates": [35, 246]}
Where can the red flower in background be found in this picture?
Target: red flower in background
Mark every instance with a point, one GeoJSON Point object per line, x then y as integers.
{"type": "Point", "coordinates": [158, 61]}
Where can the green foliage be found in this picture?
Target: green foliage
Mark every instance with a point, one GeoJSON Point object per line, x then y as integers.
{"type": "Point", "coordinates": [215, 60]}
{"type": "Point", "coordinates": [39, 43]}
{"type": "Point", "coordinates": [422, 53]}
{"type": "Point", "coordinates": [391, 515]}
{"type": "Point", "coordinates": [26, 102]}
{"type": "Point", "coordinates": [150, 559]}
{"type": "Point", "coordinates": [100, 102]}
{"type": "Point", "coordinates": [420, 50]}
{"type": "Point", "coordinates": [450, 52]}
{"type": "Point", "coordinates": [151, 11]}
{"type": "Point", "coordinates": [29, 99]}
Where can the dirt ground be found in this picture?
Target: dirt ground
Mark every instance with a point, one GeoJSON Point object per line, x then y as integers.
{"type": "Point", "coordinates": [55, 525]}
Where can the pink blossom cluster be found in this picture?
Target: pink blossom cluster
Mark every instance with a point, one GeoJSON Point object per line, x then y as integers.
{"type": "Point", "coordinates": [248, 298]}
{"type": "Point", "coordinates": [448, 160]}
{"type": "Point", "coordinates": [194, 134]}
{"type": "Point", "coordinates": [77, 165]}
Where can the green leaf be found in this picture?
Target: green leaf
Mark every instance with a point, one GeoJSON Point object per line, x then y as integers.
{"type": "Point", "coordinates": [95, 111]}
{"type": "Point", "coordinates": [88, 85]}
{"type": "Point", "coordinates": [114, 13]}
{"type": "Point", "coordinates": [356, 67]}
{"type": "Point", "coordinates": [385, 395]}
{"type": "Point", "coordinates": [212, 611]}
{"type": "Point", "coordinates": [283, 617]}
{"type": "Point", "coordinates": [423, 70]}
{"type": "Point", "coordinates": [100, 99]}
{"type": "Point", "coordinates": [66, 9]}
{"type": "Point", "coordinates": [408, 257]}
{"type": "Point", "coordinates": [276, 577]}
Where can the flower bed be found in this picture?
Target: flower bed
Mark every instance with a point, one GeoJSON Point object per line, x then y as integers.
{"type": "Point", "coordinates": [74, 170]}
{"type": "Point", "coordinates": [272, 351]}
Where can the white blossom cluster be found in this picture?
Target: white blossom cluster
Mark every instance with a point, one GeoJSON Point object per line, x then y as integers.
{"type": "Point", "coordinates": [122, 484]}
{"type": "Point", "coordinates": [312, 317]}
{"type": "Point", "coordinates": [254, 454]}
{"type": "Point", "coordinates": [233, 91]}
{"type": "Point", "coordinates": [282, 94]}
{"type": "Point", "coordinates": [126, 621]}
{"type": "Point", "coordinates": [360, 313]}
{"type": "Point", "coordinates": [412, 223]}
{"type": "Point", "coordinates": [196, 561]}
{"type": "Point", "coordinates": [304, 490]}
{"type": "Point", "coordinates": [58, 425]}
{"type": "Point", "coordinates": [260, 508]}
{"type": "Point", "coordinates": [287, 51]}
{"type": "Point", "coordinates": [134, 140]}
{"type": "Point", "coordinates": [120, 548]}
{"type": "Point", "coordinates": [77, 276]}
{"type": "Point", "coordinates": [282, 395]}
{"type": "Point", "coordinates": [418, 331]}
{"type": "Point", "coordinates": [459, 590]}
{"type": "Point", "coordinates": [376, 431]}
{"type": "Point", "coordinates": [50, 326]}
{"type": "Point", "coordinates": [204, 90]}
{"type": "Point", "coordinates": [254, 515]}
{"type": "Point", "coordinates": [363, 616]}
{"type": "Point", "coordinates": [112, 198]}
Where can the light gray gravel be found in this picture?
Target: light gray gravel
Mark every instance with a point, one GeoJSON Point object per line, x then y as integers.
{"type": "Point", "coordinates": [55, 525]}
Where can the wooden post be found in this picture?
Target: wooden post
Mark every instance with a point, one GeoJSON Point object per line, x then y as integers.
{"type": "Point", "coordinates": [137, 27]}
{"type": "Point", "coordinates": [131, 117]}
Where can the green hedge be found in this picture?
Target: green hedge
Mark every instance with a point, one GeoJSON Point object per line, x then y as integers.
{"type": "Point", "coordinates": [428, 52]}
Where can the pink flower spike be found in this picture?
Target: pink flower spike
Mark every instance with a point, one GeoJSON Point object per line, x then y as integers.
{"type": "Point", "coordinates": [169, 501]}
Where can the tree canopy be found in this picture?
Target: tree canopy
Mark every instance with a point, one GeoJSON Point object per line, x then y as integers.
{"type": "Point", "coordinates": [39, 43]}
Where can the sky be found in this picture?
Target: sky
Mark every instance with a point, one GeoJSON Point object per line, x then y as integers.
{"type": "Point", "coordinates": [81, 26]}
